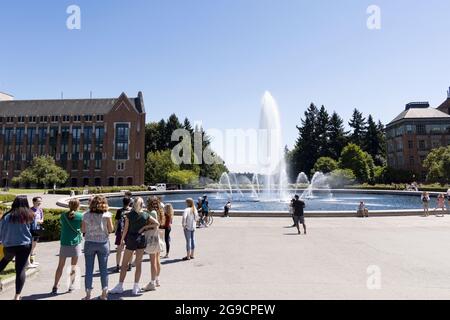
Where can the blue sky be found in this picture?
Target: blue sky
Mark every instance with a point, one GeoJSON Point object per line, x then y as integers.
{"type": "Point", "coordinates": [212, 60]}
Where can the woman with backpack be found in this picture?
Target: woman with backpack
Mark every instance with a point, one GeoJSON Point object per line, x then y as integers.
{"type": "Point", "coordinates": [120, 219]}
{"type": "Point", "coordinates": [70, 242]}
{"type": "Point", "coordinates": [16, 228]}
{"type": "Point", "coordinates": [135, 241]}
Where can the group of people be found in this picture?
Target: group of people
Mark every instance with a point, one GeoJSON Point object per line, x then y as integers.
{"type": "Point", "coordinates": [440, 205]}
{"type": "Point", "coordinates": [139, 229]}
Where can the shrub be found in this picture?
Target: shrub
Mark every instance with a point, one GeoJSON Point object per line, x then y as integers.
{"type": "Point", "coordinates": [341, 178]}
{"type": "Point", "coordinates": [97, 190]}
{"type": "Point", "coordinates": [325, 165]}
{"type": "Point", "coordinates": [7, 197]}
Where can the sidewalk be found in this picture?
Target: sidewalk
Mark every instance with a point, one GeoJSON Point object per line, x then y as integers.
{"type": "Point", "coordinates": [256, 258]}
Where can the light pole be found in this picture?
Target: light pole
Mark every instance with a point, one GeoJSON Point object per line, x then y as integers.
{"type": "Point", "coordinates": [7, 182]}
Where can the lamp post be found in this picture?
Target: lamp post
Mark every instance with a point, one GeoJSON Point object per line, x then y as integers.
{"type": "Point", "coordinates": [7, 182]}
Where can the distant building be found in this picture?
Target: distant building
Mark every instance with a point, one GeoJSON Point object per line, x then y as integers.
{"type": "Point", "coordinates": [414, 133]}
{"type": "Point", "coordinates": [99, 142]}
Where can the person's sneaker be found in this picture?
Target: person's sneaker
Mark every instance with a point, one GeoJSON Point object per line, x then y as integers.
{"type": "Point", "coordinates": [136, 290]}
{"type": "Point", "coordinates": [31, 266]}
{"type": "Point", "coordinates": [150, 287]}
{"type": "Point", "coordinates": [158, 284]}
{"type": "Point", "coordinates": [129, 267]}
{"type": "Point", "coordinates": [117, 289]}
{"type": "Point", "coordinates": [55, 290]}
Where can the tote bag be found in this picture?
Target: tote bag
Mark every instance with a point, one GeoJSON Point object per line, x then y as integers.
{"type": "Point", "coordinates": [153, 241]}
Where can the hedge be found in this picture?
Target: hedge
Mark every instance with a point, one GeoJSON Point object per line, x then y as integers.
{"type": "Point", "coordinates": [402, 187]}
{"type": "Point", "coordinates": [97, 190]}
{"type": "Point", "coordinates": [7, 197]}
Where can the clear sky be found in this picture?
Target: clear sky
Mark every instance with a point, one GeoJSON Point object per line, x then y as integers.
{"type": "Point", "coordinates": [212, 60]}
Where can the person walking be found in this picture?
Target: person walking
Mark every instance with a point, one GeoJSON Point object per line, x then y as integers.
{"type": "Point", "coordinates": [190, 217]}
{"type": "Point", "coordinates": [226, 210]}
{"type": "Point", "coordinates": [16, 227]}
{"type": "Point", "coordinates": [299, 213]}
{"type": "Point", "coordinates": [38, 220]}
{"type": "Point", "coordinates": [425, 203]}
{"type": "Point", "coordinates": [96, 226]}
{"type": "Point", "coordinates": [70, 242]}
{"type": "Point", "coordinates": [291, 212]}
{"type": "Point", "coordinates": [135, 242]}
{"type": "Point", "coordinates": [119, 227]}
{"type": "Point", "coordinates": [205, 210]}
{"type": "Point", "coordinates": [169, 214]}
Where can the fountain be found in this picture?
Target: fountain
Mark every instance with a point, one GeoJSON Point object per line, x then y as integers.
{"type": "Point", "coordinates": [302, 179]}
{"type": "Point", "coordinates": [318, 182]}
{"type": "Point", "coordinates": [271, 152]}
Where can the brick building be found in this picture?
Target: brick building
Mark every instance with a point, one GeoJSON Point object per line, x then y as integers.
{"type": "Point", "coordinates": [415, 132]}
{"type": "Point", "coordinates": [99, 142]}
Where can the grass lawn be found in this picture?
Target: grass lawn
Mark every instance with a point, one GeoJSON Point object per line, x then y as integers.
{"type": "Point", "coordinates": [8, 272]}
{"type": "Point", "coordinates": [26, 191]}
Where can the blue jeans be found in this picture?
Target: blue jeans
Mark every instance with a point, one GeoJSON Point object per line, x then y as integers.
{"type": "Point", "coordinates": [91, 249]}
{"type": "Point", "coordinates": [190, 242]}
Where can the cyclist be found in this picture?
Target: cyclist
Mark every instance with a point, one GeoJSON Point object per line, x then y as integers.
{"type": "Point", "coordinates": [205, 210]}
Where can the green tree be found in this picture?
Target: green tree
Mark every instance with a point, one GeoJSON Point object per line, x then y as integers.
{"type": "Point", "coordinates": [42, 172]}
{"type": "Point", "coordinates": [182, 177]}
{"type": "Point", "coordinates": [158, 165]}
{"type": "Point", "coordinates": [337, 136]}
{"type": "Point", "coordinates": [321, 128]}
{"type": "Point", "coordinates": [372, 141]}
{"type": "Point", "coordinates": [437, 164]}
{"type": "Point", "coordinates": [358, 124]}
{"type": "Point", "coordinates": [172, 124]}
{"type": "Point", "coordinates": [305, 153]}
{"type": "Point", "coordinates": [360, 162]}
{"type": "Point", "coordinates": [325, 165]}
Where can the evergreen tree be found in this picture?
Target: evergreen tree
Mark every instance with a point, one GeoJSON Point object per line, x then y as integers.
{"type": "Point", "coordinates": [337, 136]}
{"type": "Point", "coordinates": [321, 128]}
{"type": "Point", "coordinates": [305, 153]}
{"type": "Point", "coordinates": [358, 124]}
{"type": "Point", "coordinates": [372, 143]}
{"type": "Point", "coordinates": [172, 124]}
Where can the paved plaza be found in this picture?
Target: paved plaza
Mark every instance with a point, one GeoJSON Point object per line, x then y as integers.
{"type": "Point", "coordinates": [259, 258]}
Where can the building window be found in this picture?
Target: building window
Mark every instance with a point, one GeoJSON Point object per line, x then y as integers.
{"type": "Point", "coordinates": [121, 141]}
{"type": "Point", "coordinates": [409, 129]}
{"type": "Point", "coordinates": [422, 159]}
{"type": "Point", "coordinates": [55, 118]}
{"type": "Point", "coordinates": [66, 118]}
{"type": "Point", "coordinates": [20, 119]}
{"type": "Point", "coordinates": [9, 119]}
{"type": "Point", "coordinates": [43, 119]}
{"type": "Point", "coordinates": [76, 118]}
{"type": "Point", "coordinates": [100, 118]}
{"type": "Point", "coordinates": [111, 182]}
{"type": "Point", "coordinates": [88, 118]}
{"type": "Point", "coordinates": [411, 161]}
{"type": "Point", "coordinates": [98, 182]}
{"type": "Point", "coordinates": [42, 140]}
{"type": "Point", "coordinates": [410, 144]}
{"type": "Point", "coordinates": [32, 119]}
{"type": "Point", "coordinates": [422, 145]}
{"type": "Point", "coordinates": [121, 166]}
{"type": "Point", "coordinates": [435, 144]}
{"type": "Point", "coordinates": [421, 129]}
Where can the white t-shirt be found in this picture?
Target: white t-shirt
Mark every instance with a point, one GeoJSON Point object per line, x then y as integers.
{"type": "Point", "coordinates": [96, 226]}
{"type": "Point", "coordinates": [190, 219]}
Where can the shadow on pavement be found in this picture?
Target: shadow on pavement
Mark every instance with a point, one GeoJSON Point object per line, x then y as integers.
{"type": "Point", "coordinates": [43, 296]}
{"type": "Point", "coordinates": [171, 261]}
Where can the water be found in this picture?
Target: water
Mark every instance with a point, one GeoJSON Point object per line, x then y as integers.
{"type": "Point", "coordinates": [340, 202]}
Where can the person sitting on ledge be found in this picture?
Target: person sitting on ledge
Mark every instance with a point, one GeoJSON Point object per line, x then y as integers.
{"type": "Point", "coordinates": [362, 210]}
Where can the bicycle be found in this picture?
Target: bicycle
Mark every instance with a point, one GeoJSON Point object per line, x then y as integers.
{"type": "Point", "coordinates": [201, 221]}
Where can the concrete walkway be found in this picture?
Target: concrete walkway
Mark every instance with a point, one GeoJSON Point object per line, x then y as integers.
{"type": "Point", "coordinates": [257, 258]}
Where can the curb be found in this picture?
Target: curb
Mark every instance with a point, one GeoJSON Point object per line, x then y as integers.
{"type": "Point", "coordinates": [10, 282]}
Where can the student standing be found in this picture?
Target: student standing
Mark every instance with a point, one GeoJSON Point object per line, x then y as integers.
{"type": "Point", "coordinates": [70, 242]}
{"type": "Point", "coordinates": [97, 225]}
{"type": "Point", "coordinates": [425, 203]}
{"type": "Point", "coordinates": [38, 220]}
{"type": "Point", "coordinates": [16, 228]}
{"type": "Point", "coordinates": [189, 222]}
{"type": "Point", "coordinates": [135, 242]}
{"type": "Point", "coordinates": [441, 204]}
{"type": "Point", "coordinates": [120, 219]}
{"type": "Point", "coordinates": [169, 213]}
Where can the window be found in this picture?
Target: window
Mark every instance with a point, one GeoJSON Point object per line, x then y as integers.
{"type": "Point", "coordinates": [421, 129]}
{"type": "Point", "coordinates": [20, 119]}
{"type": "Point", "coordinates": [43, 119]}
{"type": "Point", "coordinates": [422, 145]}
{"type": "Point", "coordinates": [9, 119]}
{"type": "Point", "coordinates": [76, 118]}
{"type": "Point", "coordinates": [32, 119]}
{"type": "Point", "coordinates": [121, 141]}
{"type": "Point", "coordinates": [87, 118]}
{"type": "Point", "coordinates": [31, 132]}
{"type": "Point", "coordinates": [422, 159]}
{"type": "Point", "coordinates": [411, 160]}
{"type": "Point", "coordinates": [409, 129]}
{"type": "Point", "coordinates": [66, 118]}
{"type": "Point", "coordinates": [20, 133]}
{"type": "Point", "coordinates": [1, 119]}
{"type": "Point", "coordinates": [55, 118]}
{"type": "Point", "coordinates": [100, 118]}
{"type": "Point", "coordinates": [120, 166]}
{"type": "Point", "coordinates": [42, 140]}
{"type": "Point", "coordinates": [410, 144]}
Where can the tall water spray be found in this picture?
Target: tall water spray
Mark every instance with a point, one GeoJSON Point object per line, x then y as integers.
{"type": "Point", "coordinates": [271, 151]}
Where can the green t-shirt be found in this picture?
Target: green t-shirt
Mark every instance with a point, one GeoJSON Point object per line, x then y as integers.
{"type": "Point", "coordinates": [71, 229]}
{"type": "Point", "coordinates": [137, 221]}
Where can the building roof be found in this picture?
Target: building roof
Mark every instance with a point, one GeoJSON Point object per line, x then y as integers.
{"type": "Point", "coordinates": [445, 106]}
{"type": "Point", "coordinates": [66, 106]}
{"type": "Point", "coordinates": [421, 113]}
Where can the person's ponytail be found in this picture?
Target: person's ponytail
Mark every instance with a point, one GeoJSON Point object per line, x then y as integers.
{"type": "Point", "coordinates": [74, 205]}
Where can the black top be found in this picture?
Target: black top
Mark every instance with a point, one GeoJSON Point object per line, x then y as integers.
{"type": "Point", "coordinates": [299, 206]}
